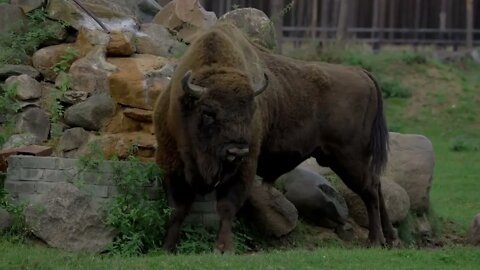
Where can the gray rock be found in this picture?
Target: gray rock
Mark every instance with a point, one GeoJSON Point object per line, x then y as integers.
{"type": "Point", "coordinates": [6, 221]}
{"type": "Point", "coordinates": [148, 9]}
{"type": "Point", "coordinates": [28, 5]}
{"type": "Point", "coordinates": [156, 39]}
{"type": "Point", "coordinates": [27, 88]}
{"type": "Point", "coordinates": [67, 218]}
{"type": "Point", "coordinates": [114, 14]}
{"type": "Point", "coordinates": [255, 23]}
{"type": "Point", "coordinates": [92, 113]}
{"type": "Point", "coordinates": [315, 198]}
{"type": "Point", "coordinates": [15, 70]}
{"type": "Point", "coordinates": [19, 140]}
{"type": "Point", "coordinates": [35, 121]}
{"type": "Point", "coordinates": [12, 18]}
{"type": "Point", "coordinates": [474, 231]}
{"type": "Point", "coordinates": [73, 139]}
{"type": "Point", "coordinates": [411, 162]}
{"type": "Point", "coordinates": [74, 97]}
{"type": "Point", "coordinates": [270, 211]}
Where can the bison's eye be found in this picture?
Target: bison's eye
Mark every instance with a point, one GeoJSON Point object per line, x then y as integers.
{"type": "Point", "coordinates": [208, 118]}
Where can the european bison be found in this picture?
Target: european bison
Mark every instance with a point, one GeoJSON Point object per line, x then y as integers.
{"type": "Point", "coordinates": [216, 127]}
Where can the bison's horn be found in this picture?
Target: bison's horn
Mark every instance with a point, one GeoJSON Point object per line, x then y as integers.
{"type": "Point", "coordinates": [191, 88]}
{"type": "Point", "coordinates": [262, 88]}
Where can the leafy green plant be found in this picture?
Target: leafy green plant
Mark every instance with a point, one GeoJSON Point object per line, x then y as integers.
{"type": "Point", "coordinates": [66, 60]}
{"type": "Point", "coordinates": [16, 45]}
{"type": "Point", "coordinates": [462, 144]}
{"type": "Point", "coordinates": [9, 106]}
{"type": "Point", "coordinates": [19, 231]}
{"type": "Point", "coordinates": [139, 219]}
{"type": "Point", "coordinates": [394, 89]}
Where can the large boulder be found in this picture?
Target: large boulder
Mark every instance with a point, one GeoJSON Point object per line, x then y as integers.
{"type": "Point", "coordinates": [314, 197]}
{"type": "Point", "coordinates": [89, 72]}
{"type": "Point", "coordinates": [121, 44]}
{"type": "Point", "coordinates": [91, 114]}
{"type": "Point", "coordinates": [28, 5]}
{"type": "Point", "coordinates": [474, 231]}
{"type": "Point", "coordinates": [35, 121]}
{"type": "Point", "coordinates": [138, 81]}
{"type": "Point", "coordinates": [155, 39]}
{"type": "Point", "coordinates": [68, 219]}
{"type": "Point", "coordinates": [6, 220]}
{"type": "Point", "coordinates": [255, 23]}
{"type": "Point", "coordinates": [45, 59]}
{"type": "Point", "coordinates": [71, 140]}
{"type": "Point", "coordinates": [411, 162]}
{"type": "Point", "coordinates": [12, 18]}
{"type": "Point", "coordinates": [270, 211]}
{"type": "Point", "coordinates": [27, 88]}
{"type": "Point", "coordinates": [114, 14]}
{"type": "Point", "coordinates": [15, 70]}
{"type": "Point", "coordinates": [18, 140]}
{"type": "Point", "coordinates": [186, 18]}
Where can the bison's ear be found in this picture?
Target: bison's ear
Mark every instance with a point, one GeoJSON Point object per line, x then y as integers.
{"type": "Point", "coordinates": [259, 89]}
{"type": "Point", "coordinates": [190, 88]}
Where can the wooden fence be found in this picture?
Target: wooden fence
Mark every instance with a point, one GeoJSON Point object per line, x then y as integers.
{"type": "Point", "coordinates": [438, 22]}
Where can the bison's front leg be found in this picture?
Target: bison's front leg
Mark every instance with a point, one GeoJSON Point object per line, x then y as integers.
{"type": "Point", "coordinates": [230, 198]}
{"type": "Point", "coordinates": [180, 197]}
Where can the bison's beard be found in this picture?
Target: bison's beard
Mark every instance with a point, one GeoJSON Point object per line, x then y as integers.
{"type": "Point", "coordinates": [213, 170]}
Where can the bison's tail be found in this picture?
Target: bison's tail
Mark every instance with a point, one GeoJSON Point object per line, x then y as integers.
{"type": "Point", "coordinates": [379, 134]}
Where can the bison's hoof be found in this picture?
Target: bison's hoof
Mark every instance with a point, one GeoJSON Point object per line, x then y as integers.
{"type": "Point", "coordinates": [224, 249]}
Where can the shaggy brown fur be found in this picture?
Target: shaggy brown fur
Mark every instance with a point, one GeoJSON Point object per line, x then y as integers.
{"type": "Point", "coordinates": [330, 112]}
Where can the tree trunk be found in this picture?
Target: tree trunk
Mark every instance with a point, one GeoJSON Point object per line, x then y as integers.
{"type": "Point", "coordinates": [276, 7]}
{"type": "Point", "coordinates": [342, 20]}
{"type": "Point", "coordinates": [469, 9]}
{"type": "Point", "coordinates": [324, 19]}
{"type": "Point", "coordinates": [313, 24]}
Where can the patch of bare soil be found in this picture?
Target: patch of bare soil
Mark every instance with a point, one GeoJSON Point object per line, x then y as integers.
{"type": "Point", "coordinates": [435, 90]}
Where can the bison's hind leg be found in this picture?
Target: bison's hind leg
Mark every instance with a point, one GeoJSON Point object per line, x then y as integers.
{"type": "Point", "coordinates": [388, 230]}
{"type": "Point", "coordinates": [355, 172]}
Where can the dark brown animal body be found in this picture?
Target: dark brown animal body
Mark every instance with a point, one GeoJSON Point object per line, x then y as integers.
{"type": "Point", "coordinates": [234, 110]}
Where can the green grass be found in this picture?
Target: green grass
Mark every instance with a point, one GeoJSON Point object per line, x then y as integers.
{"type": "Point", "coordinates": [441, 104]}
{"type": "Point", "coordinates": [14, 256]}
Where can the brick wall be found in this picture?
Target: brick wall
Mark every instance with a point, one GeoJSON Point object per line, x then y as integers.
{"type": "Point", "coordinates": [30, 177]}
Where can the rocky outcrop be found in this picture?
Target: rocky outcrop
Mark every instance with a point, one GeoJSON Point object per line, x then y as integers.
{"type": "Point", "coordinates": [255, 23]}
{"type": "Point", "coordinates": [27, 5]}
{"type": "Point", "coordinates": [121, 44]}
{"type": "Point", "coordinates": [138, 81]}
{"type": "Point", "coordinates": [186, 18]}
{"type": "Point", "coordinates": [155, 39]}
{"type": "Point", "coordinates": [18, 140]}
{"type": "Point", "coordinates": [67, 218]}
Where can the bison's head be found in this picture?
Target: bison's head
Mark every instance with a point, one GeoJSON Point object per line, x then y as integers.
{"type": "Point", "coordinates": [217, 112]}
